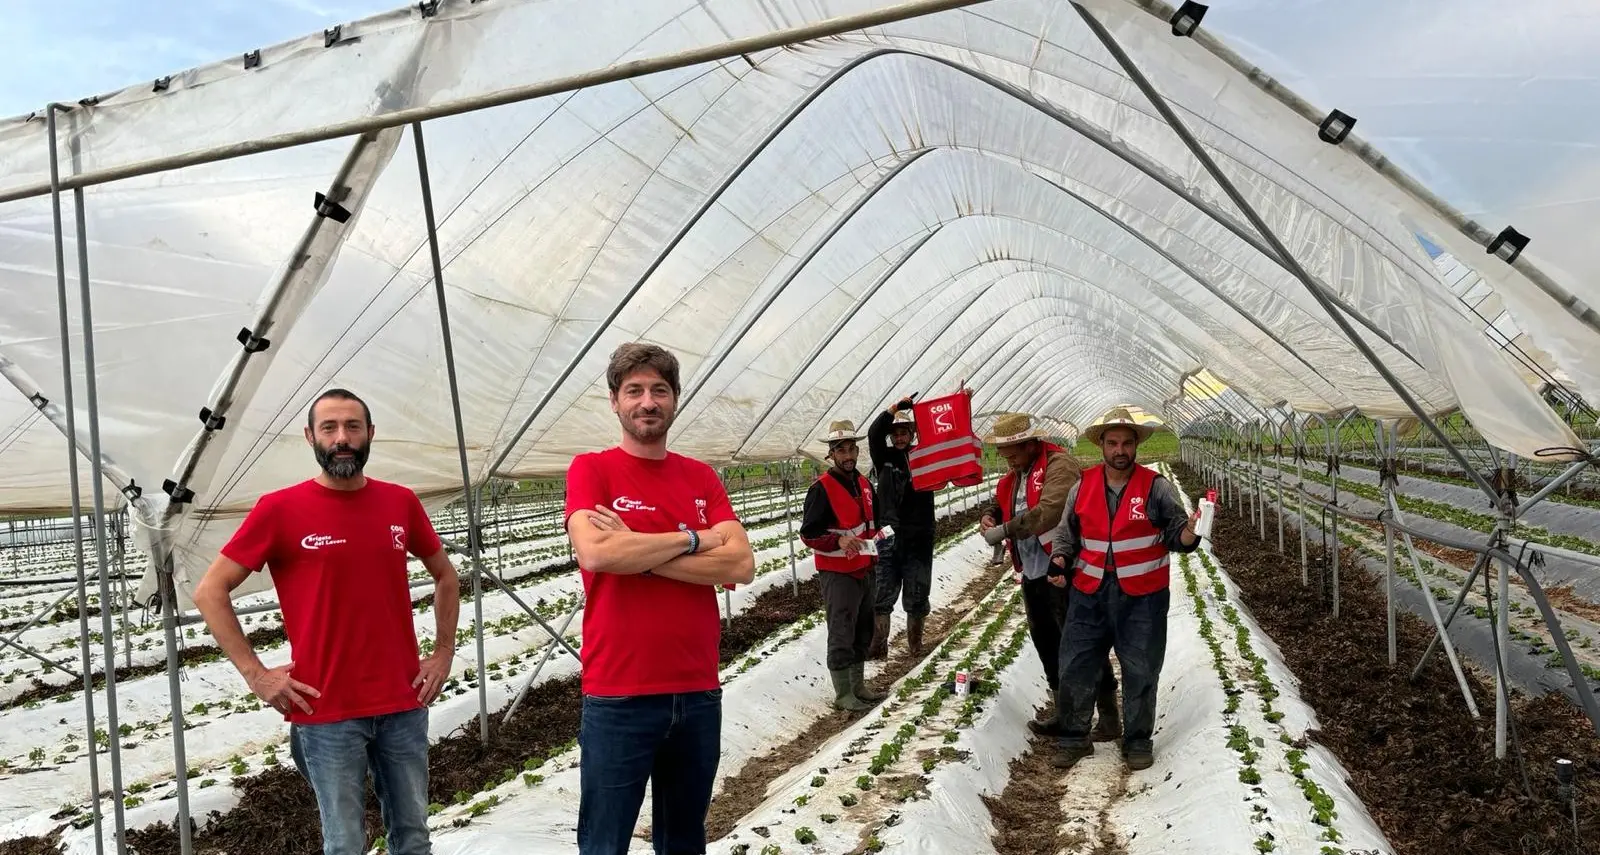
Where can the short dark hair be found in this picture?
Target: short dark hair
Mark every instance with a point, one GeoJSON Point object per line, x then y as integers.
{"type": "Point", "coordinates": [340, 395]}
{"type": "Point", "coordinates": [634, 355]}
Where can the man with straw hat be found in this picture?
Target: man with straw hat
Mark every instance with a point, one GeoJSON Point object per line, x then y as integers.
{"type": "Point", "coordinates": [905, 566]}
{"type": "Point", "coordinates": [1123, 523]}
{"type": "Point", "coordinates": [839, 526]}
{"type": "Point", "coordinates": [1029, 502]}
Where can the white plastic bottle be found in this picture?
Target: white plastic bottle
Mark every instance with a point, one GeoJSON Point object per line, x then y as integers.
{"type": "Point", "coordinates": [1208, 514]}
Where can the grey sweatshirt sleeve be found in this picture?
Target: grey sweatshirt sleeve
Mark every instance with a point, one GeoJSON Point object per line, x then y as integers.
{"type": "Point", "coordinates": [1066, 542]}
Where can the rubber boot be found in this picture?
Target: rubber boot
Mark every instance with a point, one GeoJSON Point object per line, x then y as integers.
{"type": "Point", "coordinates": [1047, 722]}
{"type": "Point", "coordinates": [1066, 758]}
{"type": "Point", "coordinates": [880, 638]}
{"type": "Point", "coordinates": [844, 694]}
{"type": "Point", "coordinates": [858, 684]}
{"type": "Point", "coordinates": [914, 627]}
{"type": "Point", "coordinates": [1109, 726]}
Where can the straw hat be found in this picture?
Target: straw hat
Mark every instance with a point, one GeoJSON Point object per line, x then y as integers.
{"type": "Point", "coordinates": [841, 431]}
{"type": "Point", "coordinates": [1119, 417]}
{"type": "Point", "coordinates": [903, 418]}
{"type": "Point", "coordinates": [1013, 428]}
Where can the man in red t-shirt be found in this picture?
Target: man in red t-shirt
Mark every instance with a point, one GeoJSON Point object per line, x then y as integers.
{"type": "Point", "coordinates": [654, 533]}
{"type": "Point", "coordinates": [354, 690]}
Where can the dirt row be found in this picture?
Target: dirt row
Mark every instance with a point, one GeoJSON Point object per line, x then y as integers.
{"type": "Point", "coordinates": [747, 789]}
{"type": "Point", "coordinates": [1424, 768]}
{"type": "Point", "coordinates": [1028, 815]}
{"type": "Point", "coordinates": [277, 807]}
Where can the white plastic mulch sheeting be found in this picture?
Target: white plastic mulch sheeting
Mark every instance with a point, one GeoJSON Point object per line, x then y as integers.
{"type": "Point", "coordinates": [815, 230]}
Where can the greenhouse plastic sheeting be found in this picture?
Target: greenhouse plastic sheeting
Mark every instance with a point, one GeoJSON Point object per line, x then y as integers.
{"type": "Point", "coordinates": [815, 230]}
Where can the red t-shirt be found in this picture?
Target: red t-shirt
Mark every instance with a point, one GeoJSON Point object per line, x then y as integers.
{"type": "Point", "coordinates": [338, 561]}
{"type": "Point", "coordinates": [647, 635]}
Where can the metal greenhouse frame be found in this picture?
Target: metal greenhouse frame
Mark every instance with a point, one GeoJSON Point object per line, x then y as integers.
{"type": "Point", "coordinates": [1223, 434]}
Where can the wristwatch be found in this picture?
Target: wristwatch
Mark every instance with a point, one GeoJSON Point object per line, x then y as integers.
{"type": "Point", "coordinates": [694, 541]}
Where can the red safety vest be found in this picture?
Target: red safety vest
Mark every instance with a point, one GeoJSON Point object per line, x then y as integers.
{"type": "Point", "coordinates": [947, 451]}
{"type": "Point", "coordinates": [854, 518]}
{"type": "Point", "coordinates": [1142, 560]}
{"type": "Point", "coordinates": [1005, 496]}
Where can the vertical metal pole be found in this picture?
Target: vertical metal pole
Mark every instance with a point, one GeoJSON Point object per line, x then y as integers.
{"type": "Point", "coordinates": [122, 573]}
{"type": "Point", "coordinates": [471, 495]}
{"type": "Point", "coordinates": [1277, 473]}
{"type": "Point", "coordinates": [1385, 449]}
{"type": "Point", "coordinates": [1333, 458]}
{"type": "Point", "coordinates": [97, 488]}
{"type": "Point", "coordinates": [180, 763]}
{"type": "Point", "coordinates": [1261, 487]}
{"type": "Point", "coordinates": [788, 521]}
{"type": "Point", "coordinates": [72, 476]}
{"type": "Point", "coordinates": [1502, 627]}
{"type": "Point", "coordinates": [1300, 482]}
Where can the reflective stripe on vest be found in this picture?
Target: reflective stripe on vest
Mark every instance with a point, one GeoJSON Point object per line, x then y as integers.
{"type": "Point", "coordinates": [956, 461]}
{"type": "Point", "coordinates": [848, 514]}
{"type": "Point", "coordinates": [1130, 541]}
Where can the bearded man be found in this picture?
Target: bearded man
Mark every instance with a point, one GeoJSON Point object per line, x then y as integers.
{"type": "Point", "coordinates": [355, 690]}
{"type": "Point", "coordinates": [654, 533]}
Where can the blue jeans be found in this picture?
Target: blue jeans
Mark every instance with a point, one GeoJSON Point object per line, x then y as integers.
{"type": "Point", "coordinates": [336, 758]}
{"type": "Point", "coordinates": [672, 741]}
{"type": "Point", "coordinates": [1137, 627]}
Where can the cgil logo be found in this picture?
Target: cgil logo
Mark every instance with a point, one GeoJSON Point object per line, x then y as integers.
{"type": "Point", "coordinates": [941, 416]}
{"type": "Point", "coordinates": [317, 541]}
{"type": "Point", "coordinates": [623, 504]}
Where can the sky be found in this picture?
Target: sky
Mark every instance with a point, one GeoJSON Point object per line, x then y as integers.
{"type": "Point", "coordinates": [65, 50]}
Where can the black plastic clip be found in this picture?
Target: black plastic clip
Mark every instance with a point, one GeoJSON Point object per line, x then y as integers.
{"type": "Point", "coordinates": [1336, 127]}
{"type": "Point", "coordinates": [133, 491]}
{"type": "Point", "coordinates": [333, 210]}
{"type": "Point", "coordinates": [162, 84]}
{"type": "Point", "coordinates": [211, 420]}
{"type": "Point", "coordinates": [1187, 19]}
{"type": "Point", "coordinates": [331, 36]}
{"type": "Point", "coordinates": [1388, 473]}
{"type": "Point", "coordinates": [252, 342]}
{"type": "Point", "coordinates": [1508, 244]}
{"type": "Point", "coordinates": [39, 400]}
{"type": "Point", "coordinates": [252, 59]}
{"type": "Point", "coordinates": [179, 495]}
{"type": "Point", "coordinates": [429, 8]}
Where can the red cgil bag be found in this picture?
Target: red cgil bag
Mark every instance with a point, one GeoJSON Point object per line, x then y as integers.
{"type": "Point", "coordinates": [947, 451]}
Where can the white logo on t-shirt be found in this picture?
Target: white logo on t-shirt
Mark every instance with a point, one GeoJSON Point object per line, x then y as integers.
{"type": "Point", "coordinates": [399, 532]}
{"type": "Point", "coordinates": [623, 504]}
{"type": "Point", "coordinates": [700, 505]}
{"type": "Point", "coordinates": [1136, 508]}
{"type": "Point", "coordinates": [317, 541]}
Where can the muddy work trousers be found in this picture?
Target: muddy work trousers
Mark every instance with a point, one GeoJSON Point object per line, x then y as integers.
{"type": "Point", "coordinates": [905, 564]}
{"type": "Point", "coordinates": [847, 602]}
{"type": "Point", "coordinates": [1136, 626]}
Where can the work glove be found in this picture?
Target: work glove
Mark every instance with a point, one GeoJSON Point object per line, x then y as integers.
{"type": "Point", "coordinates": [1056, 569]}
{"type": "Point", "coordinates": [994, 535]}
